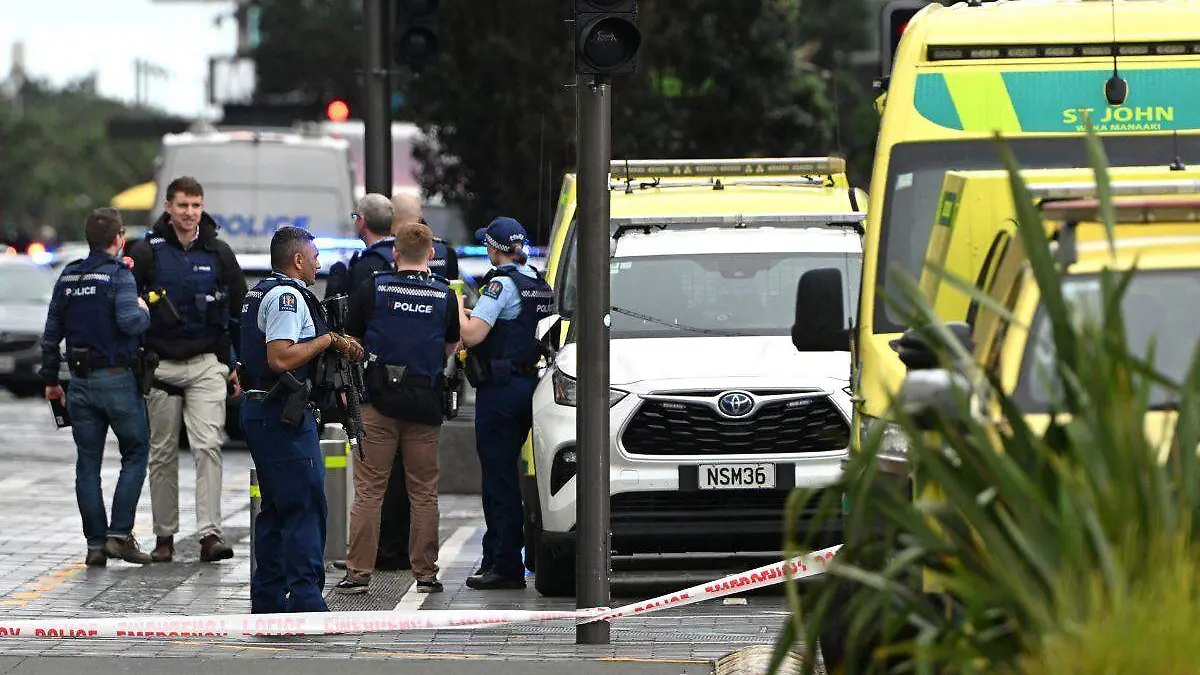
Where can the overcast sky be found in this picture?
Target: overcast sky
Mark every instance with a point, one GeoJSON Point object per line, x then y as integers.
{"type": "Point", "coordinates": [69, 39]}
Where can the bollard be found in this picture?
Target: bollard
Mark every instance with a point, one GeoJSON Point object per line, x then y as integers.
{"type": "Point", "coordinates": [255, 507]}
{"type": "Point", "coordinates": [335, 450]}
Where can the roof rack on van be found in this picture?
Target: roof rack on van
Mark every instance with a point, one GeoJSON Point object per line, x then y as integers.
{"type": "Point", "coordinates": [623, 173]}
{"type": "Point", "coordinates": [1081, 189]}
{"type": "Point", "coordinates": [1157, 210]}
{"type": "Point", "coordinates": [848, 220]}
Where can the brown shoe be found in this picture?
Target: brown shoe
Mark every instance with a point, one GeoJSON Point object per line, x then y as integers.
{"type": "Point", "coordinates": [213, 548]}
{"type": "Point", "coordinates": [164, 550]}
{"type": "Point", "coordinates": [127, 549]}
{"type": "Point", "coordinates": [96, 558]}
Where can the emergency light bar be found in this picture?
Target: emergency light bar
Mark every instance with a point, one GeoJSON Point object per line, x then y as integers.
{"type": "Point", "coordinates": [1076, 190]}
{"type": "Point", "coordinates": [1155, 211]}
{"type": "Point", "coordinates": [852, 220]}
{"type": "Point", "coordinates": [691, 168]}
{"type": "Point", "coordinates": [1058, 51]}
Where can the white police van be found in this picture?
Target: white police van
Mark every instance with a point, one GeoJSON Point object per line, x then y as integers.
{"type": "Point", "coordinates": [257, 181]}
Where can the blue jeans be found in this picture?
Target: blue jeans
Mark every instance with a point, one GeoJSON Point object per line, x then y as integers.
{"type": "Point", "coordinates": [289, 531]}
{"type": "Point", "coordinates": [101, 400]}
{"type": "Point", "coordinates": [503, 415]}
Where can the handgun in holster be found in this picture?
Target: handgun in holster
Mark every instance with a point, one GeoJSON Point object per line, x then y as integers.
{"type": "Point", "coordinates": [476, 370]}
{"type": "Point", "coordinates": [144, 365]}
{"type": "Point", "coordinates": [453, 387]}
{"type": "Point", "coordinates": [162, 308]}
{"type": "Point", "coordinates": [80, 360]}
{"type": "Point", "coordinates": [296, 401]}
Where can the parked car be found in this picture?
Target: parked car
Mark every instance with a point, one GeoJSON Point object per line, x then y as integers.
{"type": "Point", "coordinates": [23, 304]}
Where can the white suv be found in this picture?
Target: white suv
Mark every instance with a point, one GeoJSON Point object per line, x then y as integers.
{"type": "Point", "coordinates": [715, 416]}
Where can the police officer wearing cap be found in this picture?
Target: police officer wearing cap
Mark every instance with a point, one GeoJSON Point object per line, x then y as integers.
{"type": "Point", "coordinates": [283, 329]}
{"type": "Point", "coordinates": [95, 306]}
{"type": "Point", "coordinates": [502, 365]}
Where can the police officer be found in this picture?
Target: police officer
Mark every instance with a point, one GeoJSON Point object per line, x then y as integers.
{"type": "Point", "coordinates": [406, 210]}
{"type": "Point", "coordinates": [408, 321]}
{"type": "Point", "coordinates": [283, 329]}
{"type": "Point", "coordinates": [193, 331]}
{"type": "Point", "coordinates": [502, 365]}
{"type": "Point", "coordinates": [373, 219]}
{"type": "Point", "coordinates": [95, 306]}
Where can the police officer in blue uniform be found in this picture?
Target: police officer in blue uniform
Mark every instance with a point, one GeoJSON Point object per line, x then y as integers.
{"type": "Point", "coordinates": [408, 322]}
{"type": "Point", "coordinates": [96, 308]}
{"type": "Point", "coordinates": [502, 365]}
{"type": "Point", "coordinates": [373, 220]}
{"type": "Point", "coordinates": [283, 329]}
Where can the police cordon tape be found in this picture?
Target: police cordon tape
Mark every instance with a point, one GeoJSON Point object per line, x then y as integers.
{"type": "Point", "coordinates": [359, 622]}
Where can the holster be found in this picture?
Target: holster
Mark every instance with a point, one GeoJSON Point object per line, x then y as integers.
{"type": "Point", "coordinates": [80, 361]}
{"type": "Point", "coordinates": [144, 365]}
{"type": "Point", "coordinates": [295, 400]}
{"type": "Point", "coordinates": [476, 369]}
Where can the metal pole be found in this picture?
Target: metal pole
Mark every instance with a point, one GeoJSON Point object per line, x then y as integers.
{"type": "Point", "coordinates": [335, 451]}
{"type": "Point", "coordinates": [255, 508]}
{"type": "Point", "coordinates": [591, 423]}
{"type": "Point", "coordinates": [376, 84]}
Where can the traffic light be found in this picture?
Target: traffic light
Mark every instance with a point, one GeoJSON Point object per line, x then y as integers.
{"type": "Point", "coordinates": [414, 32]}
{"type": "Point", "coordinates": [337, 111]}
{"type": "Point", "coordinates": [896, 15]}
{"type": "Point", "coordinates": [606, 37]}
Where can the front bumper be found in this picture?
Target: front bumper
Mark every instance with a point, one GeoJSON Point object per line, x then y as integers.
{"type": "Point", "coordinates": [657, 502]}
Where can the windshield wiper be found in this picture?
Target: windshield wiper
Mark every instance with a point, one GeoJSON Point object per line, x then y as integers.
{"type": "Point", "coordinates": [680, 326]}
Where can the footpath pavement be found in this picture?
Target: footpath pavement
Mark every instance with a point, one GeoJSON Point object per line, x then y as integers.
{"type": "Point", "coordinates": [42, 577]}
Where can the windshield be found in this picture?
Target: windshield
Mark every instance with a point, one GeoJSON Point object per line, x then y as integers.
{"type": "Point", "coordinates": [25, 285]}
{"type": "Point", "coordinates": [1161, 308]}
{"type": "Point", "coordinates": [717, 294]}
{"type": "Point", "coordinates": [916, 172]}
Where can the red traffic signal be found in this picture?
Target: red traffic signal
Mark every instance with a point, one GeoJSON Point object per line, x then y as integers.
{"type": "Point", "coordinates": [337, 111]}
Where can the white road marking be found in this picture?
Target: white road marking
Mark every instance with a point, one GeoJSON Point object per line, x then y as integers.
{"type": "Point", "coordinates": [413, 600]}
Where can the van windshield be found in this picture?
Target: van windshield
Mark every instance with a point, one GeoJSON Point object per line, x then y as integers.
{"type": "Point", "coordinates": [1161, 309]}
{"type": "Point", "coordinates": [916, 171]}
{"type": "Point", "coordinates": [717, 294]}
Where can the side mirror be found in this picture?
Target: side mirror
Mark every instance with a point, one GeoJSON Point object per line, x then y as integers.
{"type": "Point", "coordinates": [915, 350]}
{"type": "Point", "coordinates": [549, 334]}
{"type": "Point", "coordinates": [820, 323]}
{"type": "Point", "coordinates": [927, 395]}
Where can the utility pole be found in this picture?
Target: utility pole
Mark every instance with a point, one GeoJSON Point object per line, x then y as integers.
{"type": "Point", "coordinates": [377, 97]}
{"type": "Point", "coordinates": [591, 421]}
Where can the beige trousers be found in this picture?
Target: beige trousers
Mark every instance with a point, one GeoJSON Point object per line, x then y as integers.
{"type": "Point", "coordinates": [202, 409]}
{"type": "Point", "coordinates": [419, 448]}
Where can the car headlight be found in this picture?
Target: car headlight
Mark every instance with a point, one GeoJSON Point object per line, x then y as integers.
{"type": "Point", "coordinates": [895, 440]}
{"type": "Point", "coordinates": [565, 386]}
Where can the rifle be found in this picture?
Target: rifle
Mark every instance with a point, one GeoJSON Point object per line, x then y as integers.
{"type": "Point", "coordinates": [343, 377]}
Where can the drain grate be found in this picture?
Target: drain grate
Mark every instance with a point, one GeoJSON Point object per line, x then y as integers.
{"type": "Point", "coordinates": [386, 590]}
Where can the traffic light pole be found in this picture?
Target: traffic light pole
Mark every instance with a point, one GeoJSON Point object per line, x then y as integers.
{"type": "Point", "coordinates": [591, 424]}
{"type": "Point", "coordinates": [376, 87]}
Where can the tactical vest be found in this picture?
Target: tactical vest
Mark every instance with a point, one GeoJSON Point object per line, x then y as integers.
{"type": "Point", "coordinates": [515, 340]}
{"type": "Point", "coordinates": [192, 280]}
{"type": "Point", "coordinates": [408, 326]}
{"type": "Point", "coordinates": [255, 368]}
{"type": "Point", "coordinates": [87, 291]}
{"type": "Point", "coordinates": [440, 262]}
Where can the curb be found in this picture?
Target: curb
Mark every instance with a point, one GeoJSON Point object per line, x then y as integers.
{"type": "Point", "coordinates": [756, 659]}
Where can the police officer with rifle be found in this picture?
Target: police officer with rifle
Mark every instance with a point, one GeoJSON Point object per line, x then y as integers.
{"type": "Point", "coordinates": [95, 306]}
{"type": "Point", "coordinates": [284, 329]}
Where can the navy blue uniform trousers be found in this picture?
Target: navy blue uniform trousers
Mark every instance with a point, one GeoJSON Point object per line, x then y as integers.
{"type": "Point", "coordinates": [503, 415]}
{"type": "Point", "coordinates": [289, 533]}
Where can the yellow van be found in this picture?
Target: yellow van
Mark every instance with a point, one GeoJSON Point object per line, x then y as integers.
{"type": "Point", "coordinates": [1035, 71]}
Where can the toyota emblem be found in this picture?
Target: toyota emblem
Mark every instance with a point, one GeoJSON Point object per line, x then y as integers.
{"type": "Point", "coordinates": [735, 403]}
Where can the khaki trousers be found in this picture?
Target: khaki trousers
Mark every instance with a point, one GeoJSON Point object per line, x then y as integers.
{"type": "Point", "coordinates": [202, 409]}
{"type": "Point", "coordinates": [419, 448]}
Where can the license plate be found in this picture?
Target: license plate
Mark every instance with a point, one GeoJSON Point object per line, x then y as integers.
{"type": "Point", "coordinates": [737, 476]}
{"type": "Point", "coordinates": [8, 364]}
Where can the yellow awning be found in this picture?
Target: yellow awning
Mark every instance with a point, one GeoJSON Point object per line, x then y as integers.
{"type": "Point", "coordinates": [137, 198]}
